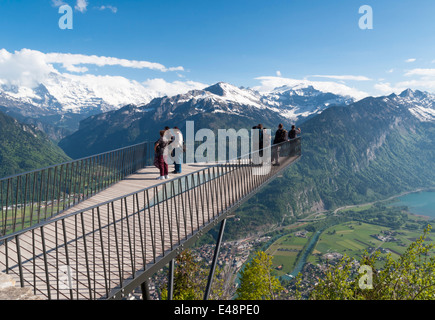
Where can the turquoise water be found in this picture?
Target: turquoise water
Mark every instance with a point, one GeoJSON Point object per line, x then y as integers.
{"type": "Point", "coordinates": [421, 203]}
{"type": "Point", "coordinates": [305, 256]}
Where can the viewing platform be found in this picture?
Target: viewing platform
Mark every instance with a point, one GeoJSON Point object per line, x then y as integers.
{"type": "Point", "coordinates": [99, 227]}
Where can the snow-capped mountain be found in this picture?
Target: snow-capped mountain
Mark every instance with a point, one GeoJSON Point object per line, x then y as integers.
{"type": "Point", "coordinates": [287, 103]}
{"type": "Point", "coordinates": [64, 93]}
{"type": "Point", "coordinates": [63, 100]}
{"type": "Point", "coordinates": [300, 101]}
{"type": "Point", "coordinates": [420, 104]}
{"type": "Point", "coordinates": [219, 106]}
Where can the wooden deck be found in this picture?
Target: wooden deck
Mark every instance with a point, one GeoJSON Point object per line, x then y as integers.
{"type": "Point", "coordinates": [142, 179]}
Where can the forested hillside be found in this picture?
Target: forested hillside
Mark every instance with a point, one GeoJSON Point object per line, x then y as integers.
{"type": "Point", "coordinates": [368, 151]}
{"type": "Point", "coordinates": [24, 148]}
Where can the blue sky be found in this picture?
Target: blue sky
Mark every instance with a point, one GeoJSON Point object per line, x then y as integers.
{"type": "Point", "coordinates": [246, 43]}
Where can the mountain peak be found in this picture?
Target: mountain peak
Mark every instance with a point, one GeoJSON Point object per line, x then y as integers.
{"type": "Point", "coordinates": [407, 93]}
{"type": "Point", "coordinates": [299, 89]}
{"type": "Point", "coordinates": [221, 88]}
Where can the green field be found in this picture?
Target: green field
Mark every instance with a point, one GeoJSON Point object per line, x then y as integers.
{"type": "Point", "coordinates": [353, 238]}
{"type": "Point", "coordinates": [285, 251]}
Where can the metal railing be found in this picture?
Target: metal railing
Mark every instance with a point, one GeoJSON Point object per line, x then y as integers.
{"type": "Point", "coordinates": [29, 198]}
{"type": "Point", "coordinates": [108, 250]}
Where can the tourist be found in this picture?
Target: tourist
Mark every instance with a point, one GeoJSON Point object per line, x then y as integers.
{"type": "Point", "coordinates": [260, 146]}
{"type": "Point", "coordinates": [280, 136]}
{"type": "Point", "coordinates": [294, 132]}
{"type": "Point", "coordinates": [159, 149]}
{"type": "Point", "coordinates": [177, 152]}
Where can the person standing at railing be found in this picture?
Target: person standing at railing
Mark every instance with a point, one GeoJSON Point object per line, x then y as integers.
{"type": "Point", "coordinates": [294, 132]}
{"type": "Point", "coordinates": [177, 149]}
{"type": "Point", "coordinates": [280, 136]}
{"type": "Point", "coordinates": [261, 139]}
{"type": "Point", "coordinates": [159, 149]}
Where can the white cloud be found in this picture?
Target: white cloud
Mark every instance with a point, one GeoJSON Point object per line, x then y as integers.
{"type": "Point", "coordinates": [385, 88]}
{"type": "Point", "coordinates": [28, 67]}
{"type": "Point", "coordinates": [108, 7]}
{"type": "Point", "coordinates": [342, 77]}
{"type": "Point", "coordinates": [421, 79]}
{"type": "Point", "coordinates": [422, 84]}
{"type": "Point", "coordinates": [161, 87]}
{"type": "Point", "coordinates": [269, 83]}
{"type": "Point", "coordinates": [24, 68]}
{"type": "Point", "coordinates": [278, 73]}
{"type": "Point", "coordinates": [81, 5]}
{"type": "Point", "coordinates": [57, 3]}
{"type": "Point", "coordinates": [410, 60]}
{"type": "Point", "coordinates": [421, 72]}
{"type": "Point", "coordinates": [71, 61]}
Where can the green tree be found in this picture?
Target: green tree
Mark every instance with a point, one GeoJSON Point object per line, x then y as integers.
{"type": "Point", "coordinates": [190, 279]}
{"type": "Point", "coordinates": [257, 282]}
{"type": "Point", "coordinates": [410, 277]}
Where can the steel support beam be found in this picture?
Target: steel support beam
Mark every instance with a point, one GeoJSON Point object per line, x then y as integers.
{"type": "Point", "coordinates": [171, 280]}
{"type": "Point", "coordinates": [145, 288]}
{"type": "Point", "coordinates": [215, 257]}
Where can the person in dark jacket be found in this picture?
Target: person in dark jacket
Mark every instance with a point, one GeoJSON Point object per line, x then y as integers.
{"type": "Point", "coordinates": [294, 132]}
{"type": "Point", "coordinates": [159, 149]}
{"type": "Point", "coordinates": [280, 136]}
{"type": "Point", "coordinates": [260, 147]}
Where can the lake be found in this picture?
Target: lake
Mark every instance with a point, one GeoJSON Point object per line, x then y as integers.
{"type": "Point", "coordinates": [421, 203]}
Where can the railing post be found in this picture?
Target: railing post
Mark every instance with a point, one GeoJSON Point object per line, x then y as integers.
{"type": "Point", "coordinates": [215, 257]}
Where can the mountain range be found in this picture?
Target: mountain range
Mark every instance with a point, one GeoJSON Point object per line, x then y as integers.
{"type": "Point", "coordinates": [218, 106]}
{"type": "Point", "coordinates": [58, 104]}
